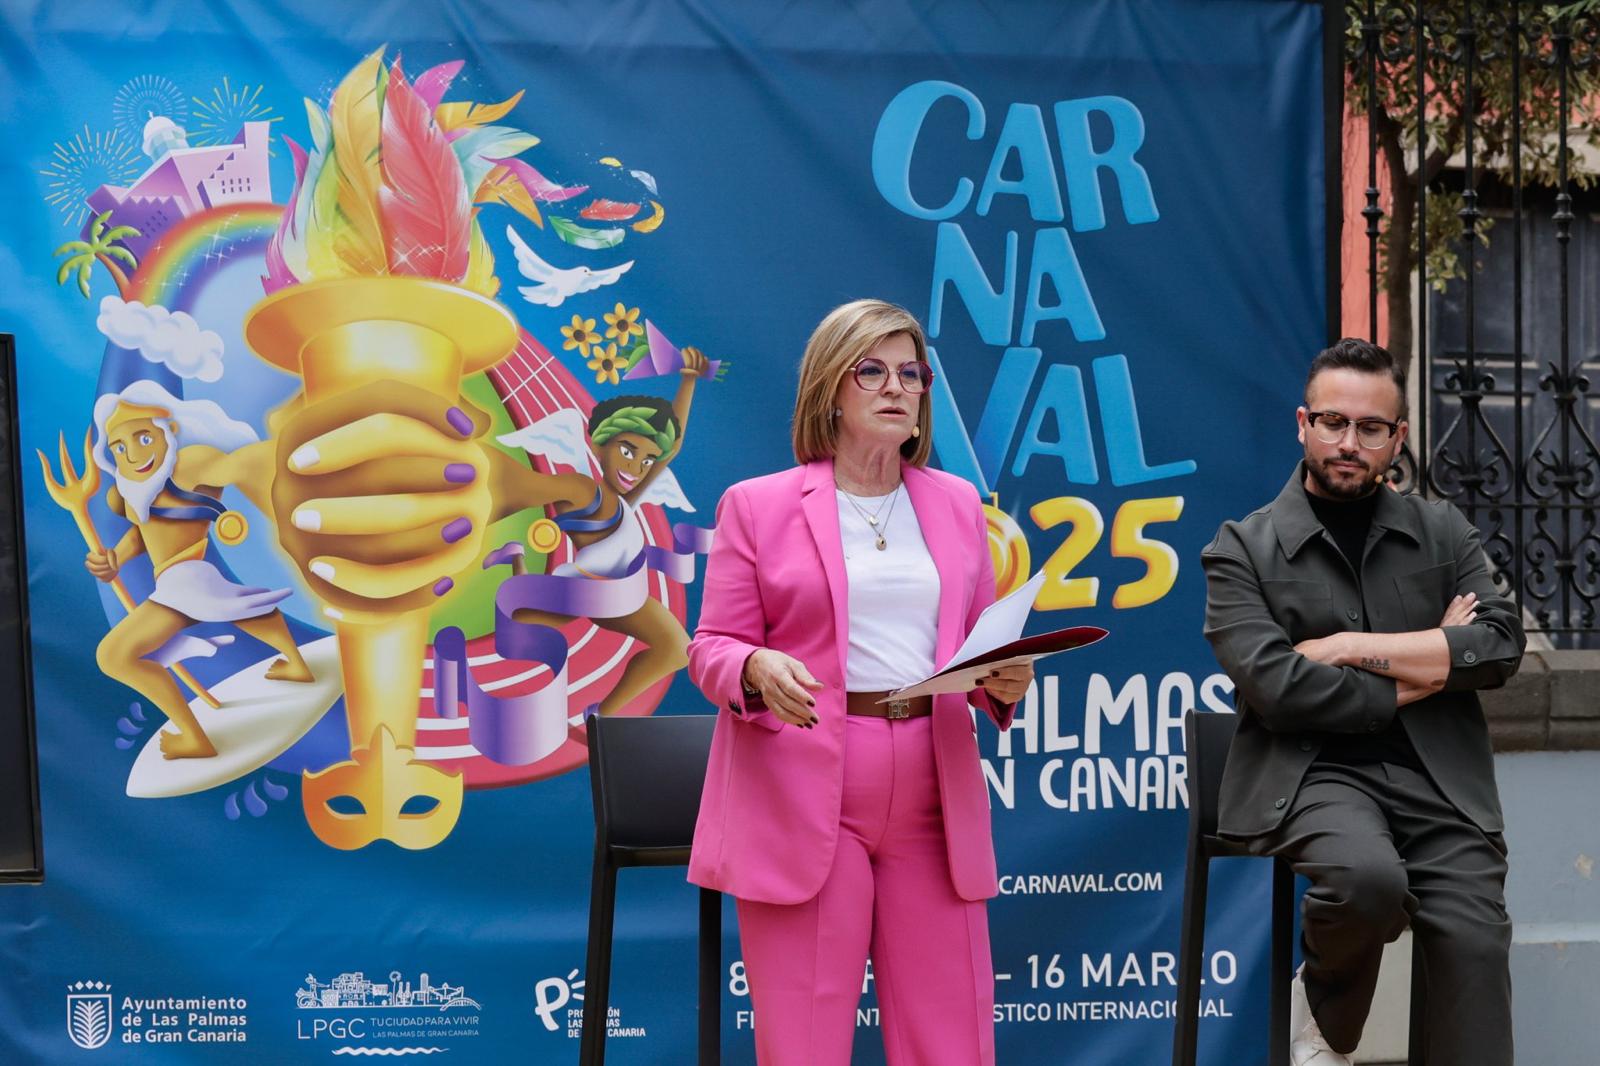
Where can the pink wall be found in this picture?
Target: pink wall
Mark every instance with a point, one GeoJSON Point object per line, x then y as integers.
{"type": "Point", "coordinates": [1356, 318]}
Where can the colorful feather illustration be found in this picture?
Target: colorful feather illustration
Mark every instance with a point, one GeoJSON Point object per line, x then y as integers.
{"type": "Point", "coordinates": [308, 212]}
{"type": "Point", "coordinates": [646, 179]}
{"type": "Point", "coordinates": [299, 218]}
{"type": "Point", "coordinates": [479, 148]}
{"type": "Point", "coordinates": [388, 182]}
{"type": "Point", "coordinates": [465, 114]}
{"type": "Point", "coordinates": [278, 273]}
{"type": "Point", "coordinates": [653, 223]}
{"type": "Point", "coordinates": [323, 219]}
{"type": "Point", "coordinates": [583, 237]}
{"type": "Point", "coordinates": [540, 187]}
{"type": "Point", "coordinates": [356, 115]}
{"type": "Point", "coordinates": [502, 187]}
{"type": "Point", "coordinates": [432, 83]}
{"type": "Point", "coordinates": [602, 210]}
{"type": "Point", "coordinates": [424, 204]}
{"type": "Point", "coordinates": [480, 269]}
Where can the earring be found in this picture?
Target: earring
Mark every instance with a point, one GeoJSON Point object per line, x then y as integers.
{"type": "Point", "coordinates": [837, 411]}
{"type": "Point", "coordinates": [916, 431]}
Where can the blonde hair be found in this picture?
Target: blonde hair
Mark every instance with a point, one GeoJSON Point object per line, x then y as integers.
{"type": "Point", "coordinates": [848, 334]}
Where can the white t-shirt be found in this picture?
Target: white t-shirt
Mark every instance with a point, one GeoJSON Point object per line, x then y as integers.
{"type": "Point", "coordinates": [893, 594]}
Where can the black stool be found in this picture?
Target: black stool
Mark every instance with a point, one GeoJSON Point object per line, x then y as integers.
{"type": "Point", "coordinates": [646, 774]}
{"type": "Point", "coordinates": [1206, 737]}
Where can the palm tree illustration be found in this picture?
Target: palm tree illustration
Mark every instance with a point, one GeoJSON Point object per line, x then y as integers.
{"type": "Point", "coordinates": [102, 248]}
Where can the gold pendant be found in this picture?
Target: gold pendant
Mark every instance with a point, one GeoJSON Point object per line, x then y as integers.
{"type": "Point", "coordinates": [882, 544]}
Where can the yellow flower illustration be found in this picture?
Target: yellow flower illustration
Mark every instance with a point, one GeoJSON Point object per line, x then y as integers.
{"type": "Point", "coordinates": [605, 364]}
{"type": "Point", "coordinates": [580, 334]}
{"type": "Point", "coordinates": [623, 323]}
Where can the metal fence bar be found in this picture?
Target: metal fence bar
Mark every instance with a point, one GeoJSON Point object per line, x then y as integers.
{"type": "Point", "coordinates": [1471, 396]}
{"type": "Point", "coordinates": [1372, 212]}
{"type": "Point", "coordinates": [1519, 457]}
{"type": "Point", "coordinates": [1515, 563]}
{"type": "Point", "coordinates": [1424, 377]}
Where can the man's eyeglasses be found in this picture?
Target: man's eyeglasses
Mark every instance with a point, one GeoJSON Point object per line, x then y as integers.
{"type": "Point", "coordinates": [1330, 428]}
{"type": "Point", "coordinates": [871, 373]}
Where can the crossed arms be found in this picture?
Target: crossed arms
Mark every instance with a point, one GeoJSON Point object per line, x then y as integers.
{"type": "Point", "coordinates": [1355, 682]}
{"type": "Point", "coordinates": [1418, 661]}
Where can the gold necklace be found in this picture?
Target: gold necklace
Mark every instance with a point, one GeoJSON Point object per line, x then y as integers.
{"type": "Point", "coordinates": [872, 519]}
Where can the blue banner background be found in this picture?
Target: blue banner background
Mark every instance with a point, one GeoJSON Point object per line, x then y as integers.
{"type": "Point", "coordinates": [758, 123]}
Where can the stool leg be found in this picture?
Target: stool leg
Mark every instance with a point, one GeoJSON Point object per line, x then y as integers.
{"type": "Point", "coordinates": [1417, 1042]}
{"type": "Point", "coordinates": [710, 1004]}
{"type": "Point", "coordinates": [597, 975]}
{"type": "Point", "coordinates": [1191, 944]}
{"type": "Point", "coordinates": [1282, 962]}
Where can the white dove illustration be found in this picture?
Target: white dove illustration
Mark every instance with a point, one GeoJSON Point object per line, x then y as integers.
{"type": "Point", "coordinates": [555, 285]}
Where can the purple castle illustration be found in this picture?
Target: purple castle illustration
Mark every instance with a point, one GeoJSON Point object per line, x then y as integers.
{"type": "Point", "coordinates": [182, 180]}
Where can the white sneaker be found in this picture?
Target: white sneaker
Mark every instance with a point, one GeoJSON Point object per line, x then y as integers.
{"type": "Point", "coordinates": [1306, 1045]}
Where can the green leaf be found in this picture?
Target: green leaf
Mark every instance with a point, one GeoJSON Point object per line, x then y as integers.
{"type": "Point", "coordinates": [83, 277]}
{"type": "Point", "coordinates": [116, 251]}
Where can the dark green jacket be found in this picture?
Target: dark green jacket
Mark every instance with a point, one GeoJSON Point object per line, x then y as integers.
{"type": "Point", "coordinates": [1276, 578]}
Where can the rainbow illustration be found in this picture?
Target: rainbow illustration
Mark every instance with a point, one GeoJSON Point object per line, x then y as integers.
{"type": "Point", "coordinates": [191, 253]}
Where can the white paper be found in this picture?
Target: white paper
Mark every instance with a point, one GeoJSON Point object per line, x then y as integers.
{"type": "Point", "coordinates": [956, 680]}
{"type": "Point", "coordinates": [1000, 623]}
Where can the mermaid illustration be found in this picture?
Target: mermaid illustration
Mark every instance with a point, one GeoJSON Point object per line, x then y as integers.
{"type": "Point", "coordinates": [631, 439]}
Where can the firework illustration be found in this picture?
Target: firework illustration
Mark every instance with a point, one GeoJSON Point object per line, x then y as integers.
{"type": "Point", "coordinates": [219, 116]}
{"type": "Point", "coordinates": [79, 166]}
{"type": "Point", "coordinates": [145, 96]}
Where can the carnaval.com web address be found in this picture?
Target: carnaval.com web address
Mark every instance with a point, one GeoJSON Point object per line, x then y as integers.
{"type": "Point", "coordinates": [1079, 883]}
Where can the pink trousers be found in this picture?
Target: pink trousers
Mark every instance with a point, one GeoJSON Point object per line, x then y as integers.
{"type": "Point", "coordinates": [888, 896]}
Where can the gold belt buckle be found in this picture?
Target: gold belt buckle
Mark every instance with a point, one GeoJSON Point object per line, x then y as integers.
{"type": "Point", "coordinates": [899, 709]}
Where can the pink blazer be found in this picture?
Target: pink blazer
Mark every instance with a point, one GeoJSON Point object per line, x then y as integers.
{"type": "Point", "coordinates": [769, 814]}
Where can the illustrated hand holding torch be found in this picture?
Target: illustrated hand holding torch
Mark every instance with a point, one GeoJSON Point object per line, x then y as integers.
{"type": "Point", "coordinates": [381, 496]}
{"type": "Point", "coordinates": [381, 284]}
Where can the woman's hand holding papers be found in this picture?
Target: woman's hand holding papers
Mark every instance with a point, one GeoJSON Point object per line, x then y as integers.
{"type": "Point", "coordinates": [1008, 684]}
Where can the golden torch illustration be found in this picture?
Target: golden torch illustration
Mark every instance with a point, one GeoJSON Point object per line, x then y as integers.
{"type": "Point", "coordinates": [338, 336]}
{"type": "Point", "coordinates": [382, 304]}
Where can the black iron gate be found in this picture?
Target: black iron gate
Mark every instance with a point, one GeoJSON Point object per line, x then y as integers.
{"type": "Point", "coordinates": [1479, 118]}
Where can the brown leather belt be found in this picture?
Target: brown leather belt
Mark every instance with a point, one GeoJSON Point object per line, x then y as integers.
{"type": "Point", "coordinates": [867, 705]}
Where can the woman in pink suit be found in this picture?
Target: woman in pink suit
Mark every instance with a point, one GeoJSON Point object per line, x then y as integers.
{"type": "Point", "coordinates": [846, 828]}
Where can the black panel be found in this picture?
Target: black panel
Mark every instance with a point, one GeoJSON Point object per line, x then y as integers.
{"type": "Point", "coordinates": [21, 844]}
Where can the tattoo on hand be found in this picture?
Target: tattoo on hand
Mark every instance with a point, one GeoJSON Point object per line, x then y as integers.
{"type": "Point", "coordinates": [1374, 664]}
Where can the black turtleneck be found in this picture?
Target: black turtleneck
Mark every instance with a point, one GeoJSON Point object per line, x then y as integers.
{"type": "Point", "coordinates": [1348, 522]}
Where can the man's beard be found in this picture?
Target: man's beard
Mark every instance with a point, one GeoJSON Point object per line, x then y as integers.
{"type": "Point", "coordinates": [1341, 490]}
{"type": "Point", "coordinates": [139, 495]}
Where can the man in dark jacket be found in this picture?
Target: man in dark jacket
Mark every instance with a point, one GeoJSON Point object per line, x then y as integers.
{"type": "Point", "coordinates": [1357, 625]}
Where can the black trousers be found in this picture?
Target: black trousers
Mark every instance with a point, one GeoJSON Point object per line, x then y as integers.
{"type": "Point", "coordinates": [1382, 847]}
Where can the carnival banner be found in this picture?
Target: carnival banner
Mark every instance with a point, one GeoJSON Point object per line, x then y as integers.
{"type": "Point", "coordinates": [384, 364]}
